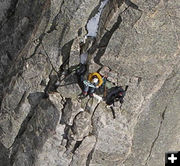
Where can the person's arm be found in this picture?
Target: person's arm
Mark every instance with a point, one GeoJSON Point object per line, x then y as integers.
{"type": "Point", "coordinates": [90, 77]}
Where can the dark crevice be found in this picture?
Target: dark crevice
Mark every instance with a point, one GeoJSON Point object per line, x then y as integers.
{"type": "Point", "coordinates": [105, 40]}
{"type": "Point", "coordinates": [68, 138]}
{"type": "Point", "coordinates": [139, 80]}
{"type": "Point", "coordinates": [106, 15]}
{"type": "Point", "coordinates": [131, 4]}
{"type": "Point", "coordinates": [76, 146]}
{"type": "Point", "coordinates": [90, 155]}
{"type": "Point", "coordinates": [67, 106]}
{"type": "Point", "coordinates": [94, 111]}
{"type": "Point", "coordinates": [107, 36]}
{"type": "Point", "coordinates": [54, 22]}
{"type": "Point", "coordinates": [65, 52]}
{"type": "Point", "coordinates": [52, 84]}
{"type": "Point", "coordinates": [159, 130]}
{"type": "Point", "coordinates": [65, 27]}
{"type": "Point", "coordinates": [9, 55]}
{"type": "Point", "coordinates": [37, 46]}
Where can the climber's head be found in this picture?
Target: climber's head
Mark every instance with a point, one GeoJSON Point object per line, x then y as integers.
{"type": "Point", "coordinates": [95, 80]}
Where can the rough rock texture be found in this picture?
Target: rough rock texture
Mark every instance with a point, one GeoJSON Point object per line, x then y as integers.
{"type": "Point", "coordinates": [42, 120]}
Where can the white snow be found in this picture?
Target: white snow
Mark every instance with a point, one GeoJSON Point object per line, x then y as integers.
{"type": "Point", "coordinates": [92, 24]}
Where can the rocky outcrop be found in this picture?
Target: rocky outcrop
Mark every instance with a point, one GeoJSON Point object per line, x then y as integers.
{"type": "Point", "coordinates": [43, 121]}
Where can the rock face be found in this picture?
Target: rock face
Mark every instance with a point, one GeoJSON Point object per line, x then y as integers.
{"type": "Point", "coordinates": [42, 120]}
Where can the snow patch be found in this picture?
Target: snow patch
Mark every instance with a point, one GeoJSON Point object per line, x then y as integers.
{"type": "Point", "coordinates": [92, 24]}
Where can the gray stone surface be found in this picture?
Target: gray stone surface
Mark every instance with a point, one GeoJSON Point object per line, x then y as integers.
{"type": "Point", "coordinates": [81, 154]}
{"type": "Point", "coordinates": [41, 125]}
{"type": "Point", "coordinates": [42, 120]}
{"type": "Point", "coordinates": [4, 7]}
{"type": "Point", "coordinates": [157, 130]}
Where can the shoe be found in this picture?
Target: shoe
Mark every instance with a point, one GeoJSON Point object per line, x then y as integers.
{"type": "Point", "coordinates": [82, 96]}
{"type": "Point", "coordinates": [91, 95]}
{"type": "Point", "coordinates": [108, 106]}
{"type": "Point", "coordinates": [85, 93]}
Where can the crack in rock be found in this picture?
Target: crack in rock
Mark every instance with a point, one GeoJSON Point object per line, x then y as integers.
{"type": "Point", "coordinates": [54, 22]}
{"type": "Point", "coordinates": [158, 133]}
{"type": "Point", "coordinates": [161, 123]}
{"type": "Point", "coordinates": [105, 40]}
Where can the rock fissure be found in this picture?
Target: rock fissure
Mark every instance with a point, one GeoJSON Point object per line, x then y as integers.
{"type": "Point", "coordinates": [162, 119]}
{"type": "Point", "coordinates": [156, 138]}
{"type": "Point", "coordinates": [105, 40]}
{"type": "Point", "coordinates": [131, 4]}
{"type": "Point", "coordinates": [89, 157]}
{"type": "Point", "coordinates": [38, 44]}
{"type": "Point", "coordinates": [54, 22]}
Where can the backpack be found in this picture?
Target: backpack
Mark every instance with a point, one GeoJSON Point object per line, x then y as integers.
{"type": "Point", "coordinates": [113, 95]}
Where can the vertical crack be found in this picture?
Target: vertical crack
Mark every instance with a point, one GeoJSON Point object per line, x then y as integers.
{"type": "Point", "coordinates": [105, 40]}
{"type": "Point", "coordinates": [131, 4]}
{"type": "Point", "coordinates": [54, 22]}
{"type": "Point", "coordinates": [162, 118]}
{"type": "Point", "coordinates": [90, 155]}
{"type": "Point", "coordinates": [159, 130]}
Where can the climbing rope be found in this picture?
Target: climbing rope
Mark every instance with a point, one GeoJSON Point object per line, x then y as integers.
{"type": "Point", "coordinates": [70, 73]}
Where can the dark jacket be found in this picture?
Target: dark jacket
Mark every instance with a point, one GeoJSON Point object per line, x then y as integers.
{"type": "Point", "coordinates": [114, 95]}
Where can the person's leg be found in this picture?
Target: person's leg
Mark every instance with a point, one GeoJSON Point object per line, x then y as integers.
{"type": "Point", "coordinates": [82, 78]}
{"type": "Point", "coordinates": [91, 91]}
{"type": "Point", "coordinates": [86, 89]}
